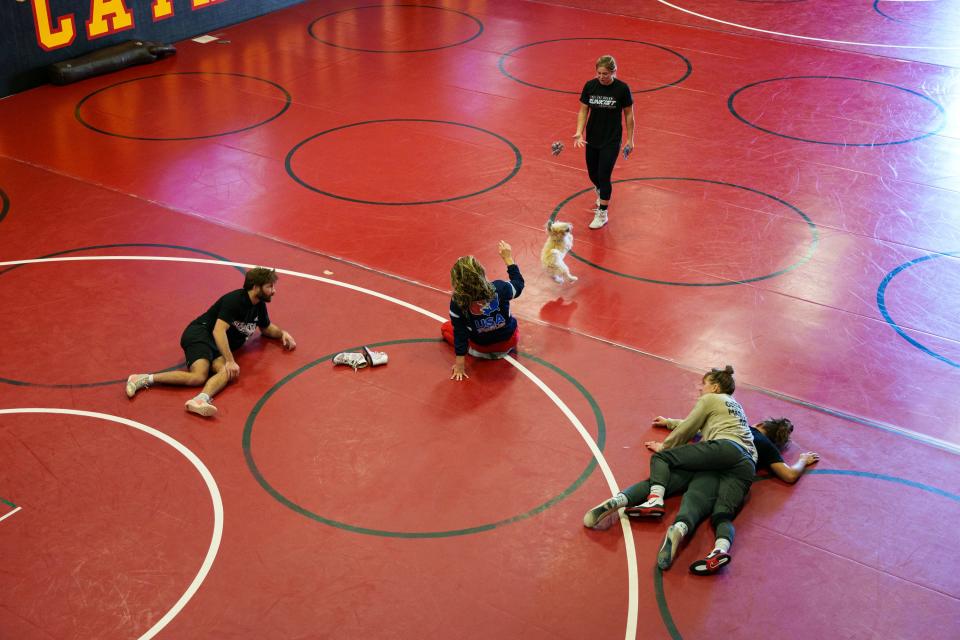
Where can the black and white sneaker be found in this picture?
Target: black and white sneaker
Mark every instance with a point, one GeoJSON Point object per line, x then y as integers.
{"type": "Point", "coordinates": [599, 516]}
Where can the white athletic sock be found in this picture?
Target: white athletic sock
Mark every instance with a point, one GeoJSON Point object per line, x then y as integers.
{"type": "Point", "coordinates": [204, 397]}
{"type": "Point", "coordinates": [681, 527]}
{"type": "Point", "coordinates": [657, 490]}
{"type": "Point", "coordinates": [621, 500]}
{"type": "Point", "coordinates": [150, 378]}
{"type": "Point", "coordinates": [722, 545]}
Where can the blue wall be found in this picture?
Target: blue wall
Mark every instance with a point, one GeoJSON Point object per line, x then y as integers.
{"type": "Point", "coordinates": [23, 60]}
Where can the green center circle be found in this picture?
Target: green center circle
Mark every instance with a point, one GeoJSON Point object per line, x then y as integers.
{"type": "Point", "coordinates": [279, 497]}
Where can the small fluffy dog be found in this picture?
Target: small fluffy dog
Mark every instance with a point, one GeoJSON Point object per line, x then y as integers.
{"type": "Point", "coordinates": [559, 242]}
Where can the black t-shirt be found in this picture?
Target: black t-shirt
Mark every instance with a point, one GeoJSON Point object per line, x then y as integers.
{"type": "Point", "coordinates": [767, 452]}
{"type": "Point", "coordinates": [235, 309]}
{"type": "Point", "coordinates": [606, 104]}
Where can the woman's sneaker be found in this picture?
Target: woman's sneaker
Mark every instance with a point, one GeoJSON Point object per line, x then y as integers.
{"type": "Point", "coordinates": [599, 218]}
{"type": "Point", "coordinates": [599, 516]}
{"type": "Point", "coordinates": [711, 564]}
{"type": "Point", "coordinates": [668, 550]}
{"type": "Point", "coordinates": [652, 508]}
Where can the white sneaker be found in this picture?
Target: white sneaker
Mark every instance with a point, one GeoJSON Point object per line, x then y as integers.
{"type": "Point", "coordinates": [200, 407]}
{"type": "Point", "coordinates": [374, 358]}
{"type": "Point", "coordinates": [136, 382]}
{"type": "Point", "coordinates": [350, 358]}
{"type": "Point", "coordinates": [599, 219]}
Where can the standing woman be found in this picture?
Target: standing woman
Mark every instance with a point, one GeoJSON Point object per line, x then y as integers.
{"type": "Point", "coordinates": [602, 101]}
{"type": "Point", "coordinates": [480, 322]}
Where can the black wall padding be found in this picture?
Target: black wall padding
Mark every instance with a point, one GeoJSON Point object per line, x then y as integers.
{"type": "Point", "coordinates": [119, 56]}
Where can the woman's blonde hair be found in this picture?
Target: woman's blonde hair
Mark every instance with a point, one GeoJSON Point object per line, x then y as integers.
{"type": "Point", "coordinates": [469, 281]}
{"type": "Point", "coordinates": [607, 62]}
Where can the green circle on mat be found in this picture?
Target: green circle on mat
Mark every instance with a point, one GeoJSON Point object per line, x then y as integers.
{"type": "Point", "coordinates": [248, 454]}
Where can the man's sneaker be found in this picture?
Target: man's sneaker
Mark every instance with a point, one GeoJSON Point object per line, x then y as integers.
{"type": "Point", "coordinates": [200, 407]}
{"type": "Point", "coordinates": [599, 516]}
{"type": "Point", "coordinates": [599, 219]}
{"type": "Point", "coordinates": [711, 564]}
{"type": "Point", "coordinates": [671, 542]}
{"type": "Point", "coordinates": [374, 358]}
{"type": "Point", "coordinates": [136, 382]}
{"type": "Point", "coordinates": [652, 508]}
{"type": "Point", "coordinates": [350, 358]}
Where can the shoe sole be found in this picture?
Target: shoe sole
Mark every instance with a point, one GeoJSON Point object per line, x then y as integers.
{"type": "Point", "coordinates": [601, 523]}
{"type": "Point", "coordinates": [649, 512]}
{"type": "Point", "coordinates": [709, 568]}
{"type": "Point", "coordinates": [665, 555]}
{"type": "Point", "coordinates": [206, 411]}
{"type": "Point", "coordinates": [667, 551]}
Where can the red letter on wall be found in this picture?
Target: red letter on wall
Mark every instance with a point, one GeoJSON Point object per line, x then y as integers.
{"type": "Point", "coordinates": [48, 36]}
{"type": "Point", "coordinates": [108, 16]}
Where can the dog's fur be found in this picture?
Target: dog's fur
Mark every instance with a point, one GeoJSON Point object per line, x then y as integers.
{"type": "Point", "coordinates": [559, 242]}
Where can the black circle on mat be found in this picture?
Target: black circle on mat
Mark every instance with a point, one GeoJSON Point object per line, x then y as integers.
{"type": "Point", "coordinates": [77, 385]}
{"type": "Point", "coordinates": [664, 607]}
{"type": "Point", "coordinates": [814, 234]}
{"type": "Point", "coordinates": [733, 110]}
{"type": "Point", "coordinates": [279, 497]}
{"type": "Point", "coordinates": [4, 204]}
{"type": "Point", "coordinates": [378, 6]}
{"type": "Point", "coordinates": [518, 160]}
{"type": "Point", "coordinates": [287, 100]}
{"type": "Point", "coordinates": [882, 305]}
{"type": "Point", "coordinates": [686, 73]}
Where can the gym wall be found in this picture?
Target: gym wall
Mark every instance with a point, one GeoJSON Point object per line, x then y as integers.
{"type": "Point", "coordinates": [37, 33]}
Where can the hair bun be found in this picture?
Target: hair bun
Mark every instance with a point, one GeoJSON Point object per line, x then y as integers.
{"type": "Point", "coordinates": [728, 369]}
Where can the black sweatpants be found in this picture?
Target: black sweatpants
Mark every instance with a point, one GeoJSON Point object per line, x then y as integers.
{"type": "Point", "coordinates": [600, 163]}
{"type": "Point", "coordinates": [713, 455]}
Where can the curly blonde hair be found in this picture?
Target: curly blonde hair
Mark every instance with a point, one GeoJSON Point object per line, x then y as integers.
{"type": "Point", "coordinates": [469, 281]}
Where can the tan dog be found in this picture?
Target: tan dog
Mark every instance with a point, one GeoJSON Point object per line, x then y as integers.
{"type": "Point", "coordinates": [559, 242]}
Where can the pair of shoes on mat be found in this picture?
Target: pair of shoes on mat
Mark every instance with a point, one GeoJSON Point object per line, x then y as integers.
{"type": "Point", "coordinates": [652, 508]}
{"type": "Point", "coordinates": [599, 517]}
{"type": "Point", "coordinates": [368, 358]}
{"type": "Point", "coordinates": [711, 564]}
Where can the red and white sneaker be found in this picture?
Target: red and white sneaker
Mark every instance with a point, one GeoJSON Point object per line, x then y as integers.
{"type": "Point", "coordinates": [652, 508]}
{"type": "Point", "coordinates": [711, 564]}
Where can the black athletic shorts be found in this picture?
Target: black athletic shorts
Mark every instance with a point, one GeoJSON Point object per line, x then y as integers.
{"type": "Point", "coordinates": [198, 344]}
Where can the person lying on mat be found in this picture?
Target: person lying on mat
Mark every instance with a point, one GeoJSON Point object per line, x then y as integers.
{"type": "Point", "coordinates": [210, 340]}
{"type": "Point", "coordinates": [700, 496]}
{"type": "Point", "coordinates": [480, 322]}
{"type": "Point", "coordinates": [726, 444]}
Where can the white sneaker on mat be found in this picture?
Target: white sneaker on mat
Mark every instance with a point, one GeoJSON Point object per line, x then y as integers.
{"type": "Point", "coordinates": [200, 407]}
{"type": "Point", "coordinates": [136, 382]}
{"type": "Point", "coordinates": [599, 218]}
{"type": "Point", "coordinates": [350, 358]}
